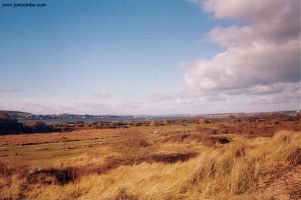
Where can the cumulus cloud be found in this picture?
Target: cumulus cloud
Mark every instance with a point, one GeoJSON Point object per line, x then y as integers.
{"type": "Point", "coordinates": [261, 57]}
{"type": "Point", "coordinates": [286, 88]}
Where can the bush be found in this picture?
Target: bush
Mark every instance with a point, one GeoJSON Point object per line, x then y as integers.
{"type": "Point", "coordinates": [173, 157]}
{"type": "Point", "coordinates": [133, 147]}
{"type": "Point", "coordinates": [9, 125]}
{"type": "Point", "coordinates": [58, 176]}
{"type": "Point", "coordinates": [123, 194]}
{"type": "Point", "coordinates": [37, 127]}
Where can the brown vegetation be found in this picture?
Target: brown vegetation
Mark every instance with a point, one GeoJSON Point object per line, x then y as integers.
{"type": "Point", "coordinates": [133, 147]}
{"type": "Point", "coordinates": [9, 125]}
{"type": "Point", "coordinates": [172, 157]}
{"type": "Point", "coordinates": [239, 170]}
{"type": "Point", "coordinates": [51, 175]}
{"type": "Point", "coordinates": [189, 161]}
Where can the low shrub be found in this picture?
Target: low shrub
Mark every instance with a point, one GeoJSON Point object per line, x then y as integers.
{"type": "Point", "coordinates": [173, 157]}
{"type": "Point", "coordinates": [38, 127]}
{"type": "Point", "coordinates": [133, 147]}
{"type": "Point", "coordinates": [123, 194]}
{"type": "Point", "coordinates": [9, 125]}
{"type": "Point", "coordinates": [52, 175]}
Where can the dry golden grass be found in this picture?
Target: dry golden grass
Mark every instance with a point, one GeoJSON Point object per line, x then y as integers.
{"type": "Point", "coordinates": [241, 169]}
{"type": "Point", "coordinates": [38, 138]}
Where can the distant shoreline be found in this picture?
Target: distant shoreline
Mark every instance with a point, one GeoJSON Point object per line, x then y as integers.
{"type": "Point", "coordinates": [104, 119]}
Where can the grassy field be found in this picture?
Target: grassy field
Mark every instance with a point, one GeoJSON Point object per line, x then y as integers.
{"type": "Point", "coordinates": [177, 162]}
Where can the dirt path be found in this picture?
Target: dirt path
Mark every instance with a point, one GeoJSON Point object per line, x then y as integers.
{"type": "Point", "coordinates": [286, 187]}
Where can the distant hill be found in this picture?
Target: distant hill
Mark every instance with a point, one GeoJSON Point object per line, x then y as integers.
{"type": "Point", "coordinates": [74, 117]}
{"type": "Point", "coordinates": [10, 125]}
{"type": "Point", "coordinates": [29, 116]}
{"type": "Point", "coordinates": [65, 116]}
{"type": "Point", "coordinates": [17, 114]}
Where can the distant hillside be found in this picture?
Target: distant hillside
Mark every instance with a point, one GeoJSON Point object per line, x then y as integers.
{"type": "Point", "coordinates": [9, 125]}
{"type": "Point", "coordinates": [75, 117]}
{"type": "Point", "coordinates": [17, 114]}
{"type": "Point", "coordinates": [29, 116]}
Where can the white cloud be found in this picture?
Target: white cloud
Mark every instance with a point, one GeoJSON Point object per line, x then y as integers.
{"type": "Point", "coordinates": [261, 57]}
{"type": "Point", "coordinates": [286, 88]}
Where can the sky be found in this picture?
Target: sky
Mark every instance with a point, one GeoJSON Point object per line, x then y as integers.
{"type": "Point", "coordinates": [153, 57]}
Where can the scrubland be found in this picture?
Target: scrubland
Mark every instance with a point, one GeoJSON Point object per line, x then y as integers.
{"type": "Point", "coordinates": [202, 159]}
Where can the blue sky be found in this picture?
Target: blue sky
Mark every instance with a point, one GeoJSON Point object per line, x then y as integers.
{"type": "Point", "coordinates": [104, 56]}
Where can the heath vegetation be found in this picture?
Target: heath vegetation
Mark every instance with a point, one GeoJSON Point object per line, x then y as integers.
{"type": "Point", "coordinates": [256, 157]}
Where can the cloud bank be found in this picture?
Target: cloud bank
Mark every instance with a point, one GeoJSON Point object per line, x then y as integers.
{"type": "Point", "coordinates": [7, 90]}
{"type": "Point", "coordinates": [261, 57]}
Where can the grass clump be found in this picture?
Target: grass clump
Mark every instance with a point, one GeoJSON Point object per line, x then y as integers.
{"type": "Point", "coordinates": [243, 168]}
